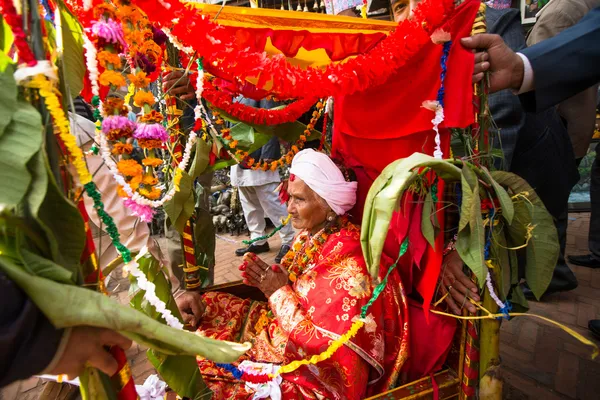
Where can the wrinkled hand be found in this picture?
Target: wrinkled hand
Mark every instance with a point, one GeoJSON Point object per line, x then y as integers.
{"type": "Point", "coordinates": [505, 66]}
{"type": "Point", "coordinates": [177, 83]}
{"type": "Point", "coordinates": [258, 273]}
{"type": "Point", "coordinates": [86, 346]}
{"type": "Point", "coordinates": [458, 285]}
{"type": "Point", "coordinates": [192, 307]}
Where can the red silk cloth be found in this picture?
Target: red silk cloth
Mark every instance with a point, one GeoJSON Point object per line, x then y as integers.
{"type": "Point", "coordinates": [385, 123]}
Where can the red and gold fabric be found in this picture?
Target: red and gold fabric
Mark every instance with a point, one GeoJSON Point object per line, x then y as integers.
{"type": "Point", "coordinates": [307, 315]}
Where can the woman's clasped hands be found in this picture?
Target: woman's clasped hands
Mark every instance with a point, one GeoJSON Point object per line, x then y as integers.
{"type": "Point", "coordinates": [258, 273]}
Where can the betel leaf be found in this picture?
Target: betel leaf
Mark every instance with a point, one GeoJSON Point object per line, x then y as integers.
{"type": "Point", "coordinates": [471, 233]}
{"type": "Point", "coordinates": [21, 139]}
{"type": "Point", "coordinates": [181, 373]}
{"type": "Point", "coordinates": [508, 211]}
{"type": "Point", "coordinates": [383, 198]}
{"type": "Point", "coordinates": [426, 224]}
{"type": "Point", "coordinates": [181, 207]}
{"type": "Point", "coordinates": [200, 160]}
{"type": "Point", "coordinates": [542, 248]}
{"type": "Point", "coordinates": [69, 305]}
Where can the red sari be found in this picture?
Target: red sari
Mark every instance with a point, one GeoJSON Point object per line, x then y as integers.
{"type": "Point", "coordinates": [308, 314]}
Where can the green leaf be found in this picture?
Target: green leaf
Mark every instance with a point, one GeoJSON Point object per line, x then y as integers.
{"type": "Point", "coordinates": [200, 161]}
{"type": "Point", "coordinates": [179, 372]}
{"type": "Point", "coordinates": [68, 306]}
{"type": "Point", "coordinates": [8, 97]}
{"type": "Point", "coordinates": [95, 385]}
{"type": "Point", "coordinates": [383, 198]}
{"type": "Point", "coordinates": [426, 224]}
{"type": "Point", "coordinates": [6, 36]}
{"type": "Point", "coordinates": [518, 299]}
{"type": "Point", "coordinates": [543, 248]}
{"type": "Point", "coordinates": [499, 253]}
{"type": "Point", "coordinates": [21, 139]}
{"type": "Point", "coordinates": [181, 207]}
{"type": "Point", "coordinates": [471, 233]}
{"type": "Point", "coordinates": [45, 268]}
{"type": "Point", "coordinates": [72, 64]}
{"type": "Point", "coordinates": [508, 211]}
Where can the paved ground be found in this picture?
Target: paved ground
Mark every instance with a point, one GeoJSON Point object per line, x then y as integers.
{"type": "Point", "coordinates": [539, 360]}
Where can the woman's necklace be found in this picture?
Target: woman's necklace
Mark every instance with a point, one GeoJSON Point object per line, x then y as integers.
{"type": "Point", "coordinates": [306, 248]}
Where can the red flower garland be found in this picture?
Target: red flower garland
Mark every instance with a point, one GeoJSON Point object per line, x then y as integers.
{"type": "Point", "coordinates": [218, 48]}
{"type": "Point", "coordinates": [253, 115]}
{"type": "Point", "coordinates": [14, 21]}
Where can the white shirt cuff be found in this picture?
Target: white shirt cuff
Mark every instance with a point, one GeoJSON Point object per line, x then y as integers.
{"type": "Point", "coordinates": [527, 84]}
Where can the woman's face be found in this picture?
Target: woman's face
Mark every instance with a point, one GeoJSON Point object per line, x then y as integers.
{"type": "Point", "coordinates": [308, 210]}
{"type": "Point", "coordinates": [402, 9]}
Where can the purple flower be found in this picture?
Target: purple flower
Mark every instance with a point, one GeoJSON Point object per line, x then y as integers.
{"type": "Point", "coordinates": [142, 61]}
{"type": "Point", "coordinates": [110, 31]}
{"type": "Point", "coordinates": [160, 37]}
{"type": "Point", "coordinates": [151, 131]}
{"type": "Point", "coordinates": [146, 213]}
{"type": "Point", "coordinates": [117, 122]}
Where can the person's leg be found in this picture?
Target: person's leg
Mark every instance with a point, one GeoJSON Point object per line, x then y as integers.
{"type": "Point", "coordinates": [253, 212]}
{"type": "Point", "coordinates": [269, 200]}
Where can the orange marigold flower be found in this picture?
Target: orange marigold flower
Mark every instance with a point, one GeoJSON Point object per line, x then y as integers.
{"type": "Point", "coordinates": [121, 192]}
{"type": "Point", "coordinates": [295, 149]}
{"type": "Point", "coordinates": [152, 117]}
{"type": "Point", "coordinates": [150, 143]}
{"type": "Point", "coordinates": [139, 80]}
{"type": "Point", "coordinates": [303, 138]}
{"type": "Point", "coordinates": [122, 148]}
{"type": "Point", "coordinates": [142, 98]}
{"type": "Point", "coordinates": [135, 38]}
{"type": "Point", "coordinates": [274, 166]}
{"type": "Point", "coordinates": [116, 134]}
{"type": "Point", "coordinates": [107, 57]}
{"type": "Point", "coordinates": [115, 106]}
{"type": "Point", "coordinates": [104, 9]}
{"type": "Point", "coordinates": [233, 144]}
{"type": "Point", "coordinates": [149, 179]}
{"type": "Point", "coordinates": [149, 47]}
{"type": "Point", "coordinates": [135, 182]}
{"type": "Point", "coordinates": [219, 121]}
{"type": "Point", "coordinates": [129, 167]}
{"type": "Point", "coordinates": [152, 194]}
{"type": "Point", "coordinates": [265, 166]}
{"type": "Point", "coordinates": [152, 162]}
{"type": "Point", "coordinates": [113, 78]}
{"type": "Point", "coordinates": [250, 162]}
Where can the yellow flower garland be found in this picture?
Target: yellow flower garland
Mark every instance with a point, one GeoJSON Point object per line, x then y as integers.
{"type": "Point", "coordinates": [47, 91]}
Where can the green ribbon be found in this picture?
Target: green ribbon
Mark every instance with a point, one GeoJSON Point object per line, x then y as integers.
{"type": "Point", "coordinates": [379, 288]}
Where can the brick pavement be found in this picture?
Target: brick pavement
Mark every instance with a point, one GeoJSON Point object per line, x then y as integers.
{"type": "Point", "coordinates": [539, 360]}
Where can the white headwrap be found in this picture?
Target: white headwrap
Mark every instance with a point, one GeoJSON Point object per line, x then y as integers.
{"type": "Point", "coordinates": [325, 179]}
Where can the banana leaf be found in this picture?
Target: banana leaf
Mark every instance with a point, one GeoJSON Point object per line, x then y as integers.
{"type": "Point", "coordinates": [384, 196]}
{"type": "Point", "coordinates": [72, 63]}
{"type": "Point", "coordinates": [8, 95]}
{"type": "Point", "coordinates": [68, 306]}
{"type": "Point", "coordinates": [530, 213]}
{"type": "Point", "coordinates": [181, 373]}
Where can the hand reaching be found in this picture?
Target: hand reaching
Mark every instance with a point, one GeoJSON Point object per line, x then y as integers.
{"type": "Point", "coordinates": [259, 274]}
{"type": "Point", "coordinates": [86, 346]}
{"type": "Point", "coordinates": [458, 285]}
{"type": "Point", "coordinates": [192, 308]}
{"type": "Point", "coordinates": [177, 83]}
{"type": "Point", "coordinates": [505, 66]}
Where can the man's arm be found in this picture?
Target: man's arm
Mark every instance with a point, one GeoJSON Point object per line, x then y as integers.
{"type": "Point", "coordinates": [565, 64]}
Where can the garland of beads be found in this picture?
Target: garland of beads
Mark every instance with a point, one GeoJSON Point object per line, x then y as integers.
{"type": "Point", "coordinates": [250, 162]}
{"type": "Point", "coordinates": [284, 222]}
{"type": "Point", "coordinates": [333, 347]}
{"type": "Point", "coordinates": [46, 90]}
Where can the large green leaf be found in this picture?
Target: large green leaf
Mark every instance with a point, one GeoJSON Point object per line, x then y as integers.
{"type": "Point", "coordinates": [181, 207]}
{"type": "Point", "coordinates": [200, 161]}
{"type": "Point", "coordinates": [543, 248]}
{"type": "Point", "coordinates": [426, 224]}
{"type": "Point", "coordinates": [45, 268]}
{"type": "Point", "coordinates": [383, 198]}
{"type": "Point", "coordinates": [8, 97]}
{"type": "Point", "coordinates": [68, 306]}
{"type": "Point", "coordinates": [181, 373]}
{"type": "Point", "coordinates": [471, 233]}
{"type": "Point", "coordinates": [508, 210]}
{"type": "Point", "coordinates": [501, 260]}
{"type": "Point", "coordinates": [72, 63]}
{"type": "Point", "coordinates": [21, 139]}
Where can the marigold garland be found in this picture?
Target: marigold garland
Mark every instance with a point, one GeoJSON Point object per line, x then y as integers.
{"type": "Point", "coordinates": [143, 98]}
{"type": "Point", "coordinates": [129, 167]}
{"type": "Point", "coordinates": [111, 78]}
{"type": "Point", "coordinates": [139, 79]}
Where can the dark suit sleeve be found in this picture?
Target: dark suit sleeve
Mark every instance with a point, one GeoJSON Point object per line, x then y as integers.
{"type": "Point", "coordinates": [504, 106]}
{"type": "Point", "coordinates": [28, 341]}
{"type": "Point", "coordinates": [565, 64]}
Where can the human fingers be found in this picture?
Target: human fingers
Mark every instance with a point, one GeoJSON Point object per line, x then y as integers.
{"type": "Point", "coordinates": [189, 319]}
{"type": "Point", "coordinates": [477, 77]}
{"type": "Point", "coordinates": [103, 360]}
{"type": "Point", "coordinates": [179, 90]}
{"type": "Point", "coordinates": [469, 285]}
{"type": "Point", "coordinates": [243, 266]}
{"type": "Point", "coordinates": [278, 268]}
{"type": "Point", "coordinates": [481, 41]}
{"type": "Point", "coordinates": [481, 56]}
{"type": "Point", "coordinates": [481, 67]}
{"type": "Point", "coordinates": [450, 301]}
{"type": "Point", "coordinates": [198, 308]}
{"type": "Point", "coordinates": [460, 295]}
{"type": "Point", "coordinates": [112, 338]}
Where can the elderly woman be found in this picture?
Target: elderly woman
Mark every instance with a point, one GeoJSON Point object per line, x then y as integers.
{"type": "Point", "coordinates": [314, 296]}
